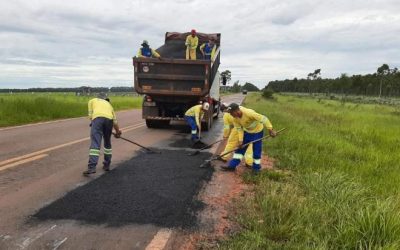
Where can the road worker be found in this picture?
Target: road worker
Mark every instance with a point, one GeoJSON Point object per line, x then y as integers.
{"type": "Point", "coordinates": [146, 52]}
{"type": "Point", "coordinates": [231, 135]}
{"type": "Point", "coordinates": [193, 117]}
{"type": "Point", "coordinates": [192, 41]}
{"type": "Point", "coordinates": [208, 50]}
{"type": "Point", "coordinates": [103, 120]}
{"type": "Point", "coordinates": [252, 125]}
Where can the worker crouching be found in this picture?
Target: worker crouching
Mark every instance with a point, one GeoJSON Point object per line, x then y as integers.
{"type": "Point", "coordinates": [231, 135]}
{"type": "Point", "coordinates": [252, 125]}
{"type": "Point", "coordinates": [193, 117]}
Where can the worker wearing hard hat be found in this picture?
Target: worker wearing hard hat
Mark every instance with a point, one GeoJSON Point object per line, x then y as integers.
{"type": "Point", "coordinates": [103, 120]}
{"type": "Point", "coordinates": [208, 50]}
{"type": "Point", "coordinates": [231, 135]}
{"type": "Point", "coordinates": [192, 41]}
{"type": "Point", "coordinates": [146, 51]}
{"type": "Point", "coordinates": [193, 117]}
{"type": "Point", "coordinates": [252, 124]}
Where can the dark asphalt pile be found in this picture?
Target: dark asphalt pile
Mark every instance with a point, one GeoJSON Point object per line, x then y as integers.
{"type": "Point", "coordinates": [176, 49]}
{"type": "Point", "coordinates": [148, 189]}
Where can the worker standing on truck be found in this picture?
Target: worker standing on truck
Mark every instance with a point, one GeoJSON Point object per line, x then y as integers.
{"type": "Point", "coordinates": [231, 135]}
{"type": "Point", "coordinates": [192, 41]}
{"type": "Point", "coordinates": [146, 51]}
{"type": "Point", "coordinates": [208, 50]}
{"type": "Point", "coordinates": [193, 117]}
{"type": "Point", "coordinates": [103, 119]}
{"type": "Point", "coordinates": [252, 125]}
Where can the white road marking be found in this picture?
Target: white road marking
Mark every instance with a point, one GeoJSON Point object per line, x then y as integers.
{"type": "Point", "coordinates": [160, 240]}
{"type": "Point", "coordinates": [29, 241]}
{"type": "Point", "coordinates": [57, 244]}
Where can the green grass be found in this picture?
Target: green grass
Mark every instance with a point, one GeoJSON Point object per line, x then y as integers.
{"type": "Point", "coordinates": [17, 109]}
{"type": "Point", "coordinates": [337, 178]}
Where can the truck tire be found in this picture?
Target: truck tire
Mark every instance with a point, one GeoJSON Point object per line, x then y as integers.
{"type": "Point", "coordinates": [157, 123]}
{"type": "Point", "coordinates": [205, 126]}
{"type": "Point", "coordinates": [218, 110]}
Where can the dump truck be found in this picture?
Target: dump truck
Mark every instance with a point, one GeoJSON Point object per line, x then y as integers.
{"type": "Point", "coordinates": [172, 84]}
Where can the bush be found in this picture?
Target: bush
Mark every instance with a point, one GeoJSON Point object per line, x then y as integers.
{"type": "Point", "coordinates": [268, 93]}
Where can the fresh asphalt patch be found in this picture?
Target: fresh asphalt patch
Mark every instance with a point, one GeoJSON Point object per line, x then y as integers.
{"type": "Point", "coordinates": [159, 189]}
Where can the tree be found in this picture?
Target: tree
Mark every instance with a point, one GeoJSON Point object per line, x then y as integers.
{"type": "Point", "coordinates": [250, 87]}
{"type": "Point", "coordinates": [227, 75]}
{"type": "Point", "coordinates": [236, 87]}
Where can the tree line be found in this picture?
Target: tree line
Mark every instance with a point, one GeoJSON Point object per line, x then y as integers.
{"type": "Point", "coordinates": [384, 82]}
{"type": "Point", "coordinates": [82, 89]}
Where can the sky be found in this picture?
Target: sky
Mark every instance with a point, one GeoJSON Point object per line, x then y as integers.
{"type": "Point", "coordinates": [51, 43]}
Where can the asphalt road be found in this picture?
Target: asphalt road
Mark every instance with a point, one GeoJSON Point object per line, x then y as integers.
{"type": "Point", "coordinates": [40, 163]}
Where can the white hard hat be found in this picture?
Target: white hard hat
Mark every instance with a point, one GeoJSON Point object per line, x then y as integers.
{"type": "Point", "coordinates": [206, 106]}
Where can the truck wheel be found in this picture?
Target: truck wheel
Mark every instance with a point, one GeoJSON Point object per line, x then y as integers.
{"type": "Point", "coordinates": [218, 110]}
{"type": "Point", "coordinates": [205, 126]}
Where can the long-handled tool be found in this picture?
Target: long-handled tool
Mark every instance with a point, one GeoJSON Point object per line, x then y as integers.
{"type": "Point", "coordinates": [206, 162]}
{"type": "Point", "coordinates": [137, 144]}
{"type": "Point", "coordinates": [198, 143]}
{"type": "Point", "coordinates": [205, 147]}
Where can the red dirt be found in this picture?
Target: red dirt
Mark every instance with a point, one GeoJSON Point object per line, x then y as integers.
{"type": "Point", "coordinates": [215, 222]}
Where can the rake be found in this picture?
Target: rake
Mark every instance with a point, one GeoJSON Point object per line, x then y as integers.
{"type": "Point", "coordinates": [207, 162]}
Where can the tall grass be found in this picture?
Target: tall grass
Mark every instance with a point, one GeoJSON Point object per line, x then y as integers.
{"type": "Point", "coordinates": [337, 181]}
{"type": "Point", "coordinates": [16, 109]}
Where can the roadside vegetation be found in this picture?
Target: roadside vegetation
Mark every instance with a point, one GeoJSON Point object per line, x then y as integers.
{"type": "Point", "coordinates": [336, 178]}
{"type": "Point", "coordinates": [23, 108]}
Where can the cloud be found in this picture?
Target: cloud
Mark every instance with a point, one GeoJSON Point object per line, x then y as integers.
{"type": "Point", "coordinates": [71, 43]}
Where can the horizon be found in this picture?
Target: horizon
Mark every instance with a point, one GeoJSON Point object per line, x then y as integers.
{"type": "Point", "coordinates": [59, 44]}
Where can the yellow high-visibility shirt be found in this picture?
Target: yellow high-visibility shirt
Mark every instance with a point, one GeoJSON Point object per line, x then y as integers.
{"type": "Point", "coordinates": [153, 53]}
{"type": "Point", "coordinates": [212, 51]}
{"type": "Point", "coordinates": [197, 112]}
{"type": "Point", "coordinates": [251, 122]}
{"type": "Point", "coordinates": [228, 124]}
{"type": "Point", "coordinates": [192, 42]}
{"type": "Point", "coordinates": [101, 108]}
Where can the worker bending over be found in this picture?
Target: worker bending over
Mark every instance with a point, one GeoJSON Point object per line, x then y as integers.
{"type": "Point", "coordinates": [146, 52]}
{"type": "Point", "coordinates": [252, 125]}
{"type": "Point", "coordinates": [208, 50]}
{"type": "Point", "coordinates": [192, 41]}
{"type": "Point", "coordinates": [103, 119]}
{"type": "Point", "coordinates": [232, 137]}
{"type": "Point", "coordinates": [193, 117]}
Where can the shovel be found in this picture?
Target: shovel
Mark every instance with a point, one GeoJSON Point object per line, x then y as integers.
{"type": "Point", "coordinates": [207, 162]}
{"type": "Point", "coordinates": [205, 147]}
{"type": "Point", "coordinates": [148, 150]}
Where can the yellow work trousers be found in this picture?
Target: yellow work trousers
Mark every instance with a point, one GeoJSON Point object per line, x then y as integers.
{"type": "Point", "coordinates": [190, 54]}
{"type": "Point", "coordinates": [233, 141]}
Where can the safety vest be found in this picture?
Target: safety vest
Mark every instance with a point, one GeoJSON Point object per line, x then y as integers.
{"type": "Point", "coordinates": [208, 49]}
{"type": "Point", "coordinates": [146, 52]}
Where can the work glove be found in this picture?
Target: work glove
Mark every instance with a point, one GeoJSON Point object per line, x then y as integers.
{"type": "Point", "coordinates": [272, 132]}
{"type": "Point", "coordinates": [240, 144]}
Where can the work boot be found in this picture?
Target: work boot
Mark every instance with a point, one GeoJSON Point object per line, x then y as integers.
{"type": "Point", "coordinates": [227, 168]}
{"type": "Point", "coordinates": [89, 172]}
{"type": "Point", "coordinates": [106, 168]}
